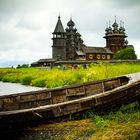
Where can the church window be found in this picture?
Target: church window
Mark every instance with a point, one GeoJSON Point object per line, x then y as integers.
{"type": "Point", "coordinates": [108, 56]}
{"type": "Point", "coordinates": [90, 56]}
{"type": "Point", "coordinates": [58, 36]}
{"type": "Point", "coordinates": [98, 56]}
{"type": "Point", "coordinates": [54, 36]}
{"type": "Point", "coordinates": [103, 56]}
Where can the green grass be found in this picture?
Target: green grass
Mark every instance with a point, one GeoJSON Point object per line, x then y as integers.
{"type": "Point", "coordinates": [57, 77]}
{"type": "Point", "coordinates": [120, 124]}
{"type": "Point", "coordinates": [123, 124]}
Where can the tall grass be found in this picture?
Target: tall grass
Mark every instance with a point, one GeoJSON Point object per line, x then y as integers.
{"type": "Point", "coordinates": [121, 124]}
{"type": "Point", "coordinates": [57, 77]}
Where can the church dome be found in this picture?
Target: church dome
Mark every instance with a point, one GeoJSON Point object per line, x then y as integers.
{"type": "Point", "coordinates": [70, 23]}
{"type": "Point", "coordinates": [78, 34]}
{"type": "Point", "coordinates": [115, 24]}
{"type": "Point", "coordinates": [126, 42]}
{"type": "Point", "coordinates": [110, 30]}
{"type": "Point", "coordinates": [115, 27]}
{"type": "Point", "coordinates": [107, 29]}
{"type": "Point", "coordinates": [121, 29]}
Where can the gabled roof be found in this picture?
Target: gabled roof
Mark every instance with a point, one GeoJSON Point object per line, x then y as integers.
{"type": "Point", "coordinates": [88, 49]}
{"type": "Point", "coordinates": [59, 27]}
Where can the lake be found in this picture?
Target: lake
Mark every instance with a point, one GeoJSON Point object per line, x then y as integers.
{"type": "Point", "coordinates": [11, 88]}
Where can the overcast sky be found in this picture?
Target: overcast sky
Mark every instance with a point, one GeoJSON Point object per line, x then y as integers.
{"type": "Point", "coordinates": [26, 26]}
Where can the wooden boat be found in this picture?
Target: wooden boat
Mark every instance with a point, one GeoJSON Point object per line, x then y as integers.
{"type": "Point", "coordinates": [28, 107]}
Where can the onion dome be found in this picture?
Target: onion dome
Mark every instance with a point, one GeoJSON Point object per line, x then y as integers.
{"type": "Point", "coordinates": [121, 29]}
{"type": "Point", "coordinates": [115, 27]}
{"type": "Point", "coordinates": [81, 41]}
{"type": "Point", "coordinates": [67, 29]}
{"type": "Point", "coordinates": [110, 30]}
{"type": "Point", "coordinates": [106, 30]}
{"type": "Point", "coordinates": [126, 42]}
{"type": "Point", "coordinates": [70, 23]}
{"type": "Point", "coordinates": [78, 34]}
{"type": "Point", "coordinates": [74, 29]}
{"type": "Point", "coordinates": [115, 24]}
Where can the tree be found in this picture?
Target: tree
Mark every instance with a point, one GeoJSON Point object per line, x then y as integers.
{"type": "Point", "coordinates": [127, 53]}
{"type": "Point", "coordinates": [22, 66]}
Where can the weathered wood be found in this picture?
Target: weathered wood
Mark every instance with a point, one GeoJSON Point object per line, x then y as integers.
{"type": "Point", "coordinates": [58, 95]}
{"type": "Point", "coordinates": [57, 102]}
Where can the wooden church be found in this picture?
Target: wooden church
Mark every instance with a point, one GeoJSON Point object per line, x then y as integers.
{"type": "Point", "coordinates": [69, 46]}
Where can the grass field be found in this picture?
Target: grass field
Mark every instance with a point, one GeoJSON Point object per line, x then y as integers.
{"type": "Point", "coordinates": [122, 124]}
{"type": "Point", "coordinates": [55, 77]}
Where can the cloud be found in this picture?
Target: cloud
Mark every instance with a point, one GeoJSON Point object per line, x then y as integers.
{"type": "Point", "coordinates": [26, 26]}
{"type": "Point", "coordinates": [126, 3]}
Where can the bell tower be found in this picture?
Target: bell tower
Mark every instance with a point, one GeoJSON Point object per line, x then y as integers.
{"type": "Point", "coordinates": [115, 37]}
{"type": "Point", "coordinates": [59, 41]}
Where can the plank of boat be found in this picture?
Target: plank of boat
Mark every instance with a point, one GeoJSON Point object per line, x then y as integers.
{"type": "Point", "coordinates": [50, 103]}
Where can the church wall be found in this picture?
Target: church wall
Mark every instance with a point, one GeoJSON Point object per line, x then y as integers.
{"type": "Point", "coordinates": [98, 56]}
{"type": "Point", "coordinates": [59, 52]}
{"type": "Point", "coordinates": [59, 42]}
{"type": "Point", "coordinates": [115, 43]}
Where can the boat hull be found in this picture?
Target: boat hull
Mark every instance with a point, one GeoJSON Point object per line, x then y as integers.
{"type": "Point", "coordinates": [125, 92]}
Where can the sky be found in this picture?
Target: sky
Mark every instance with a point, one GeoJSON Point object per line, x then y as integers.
{"type": "Point", "coordinates": [26, 26]}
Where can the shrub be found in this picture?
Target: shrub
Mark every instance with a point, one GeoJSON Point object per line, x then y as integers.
{"type": "Point", "coordinates": [39, 82]}
{"type": "Point", "coordinates": [10, 78]}
{"type": "Point", "coordinates": [26, 80]}
{"type": "Point", "coordinates": [125, 54]}
{"type": "Point", "coordinates": [22, 66]}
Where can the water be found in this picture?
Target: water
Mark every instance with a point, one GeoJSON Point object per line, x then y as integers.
{"type": "Point", "coordinates": [11, 88]}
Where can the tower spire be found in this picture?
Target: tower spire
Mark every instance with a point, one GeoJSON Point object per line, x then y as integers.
{"type": "Point", "coordinates": [109, 24]}
{"type": "Point", "coordinates": [120, 23]}
{"type": "Point", "coordinates": [59, 16]}
{"type": "Point", "coordinates": [59, 27]}
{"type": "Point", "coordinates": [71, 17]}
{"type": "Point", "coordinates": [115, 19]}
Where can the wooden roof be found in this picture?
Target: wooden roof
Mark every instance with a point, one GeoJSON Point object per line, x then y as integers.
{"type": "Point", "coordinates": [104, 50]}
{"type": "Point", "coordinates": [59, 27]}
{"type": "Point", "coordinates": [49, 60]}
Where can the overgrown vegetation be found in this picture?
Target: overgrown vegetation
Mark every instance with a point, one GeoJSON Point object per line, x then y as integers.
{"type": "Point", "coordinates": [119, 124]}
{"type": "Point", "coordinates": [122, 124]}
{"type": "Point", "coordinates": [55, 77]}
